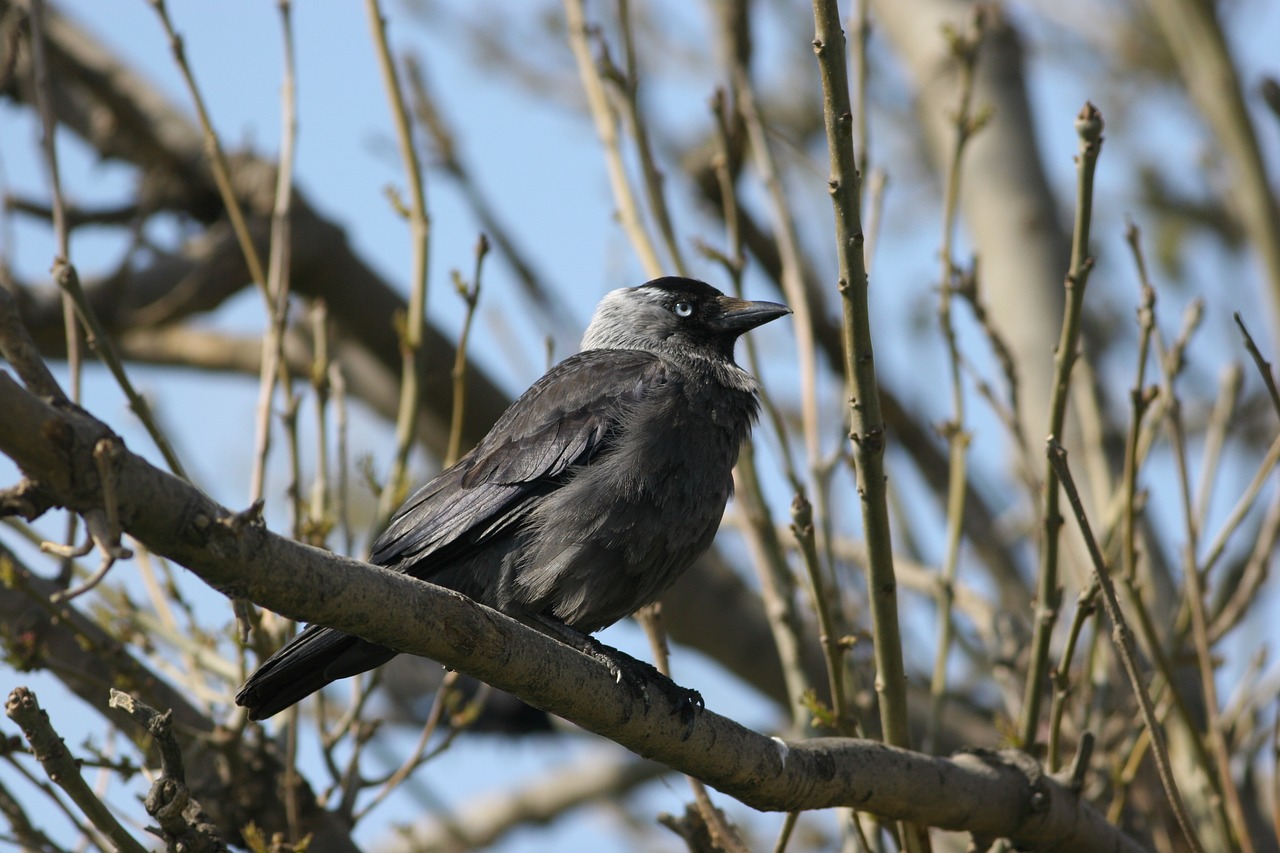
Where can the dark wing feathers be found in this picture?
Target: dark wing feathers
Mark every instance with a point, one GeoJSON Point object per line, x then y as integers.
{"type": "Point", "coordinates": [560, 422]}
{"type": "Point", "coordinates": [546, 452]}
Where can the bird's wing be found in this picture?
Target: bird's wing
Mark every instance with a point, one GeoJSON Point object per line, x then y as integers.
{"type": "Point", "coordinates": [564, 419]}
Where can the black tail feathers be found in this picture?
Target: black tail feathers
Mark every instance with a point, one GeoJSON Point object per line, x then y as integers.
{"type": "Point", "coordinates": [305, 664]}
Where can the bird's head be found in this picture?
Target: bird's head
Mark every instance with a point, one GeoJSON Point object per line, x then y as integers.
{"type": "Point", "coordinates": [674, 315]}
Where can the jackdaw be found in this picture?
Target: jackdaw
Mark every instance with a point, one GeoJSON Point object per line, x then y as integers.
{"type": "Point", "coordinates": [592, 493]}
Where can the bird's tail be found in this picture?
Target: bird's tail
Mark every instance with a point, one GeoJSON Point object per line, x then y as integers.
{"type": "Point", "coordinates": [305, 664]}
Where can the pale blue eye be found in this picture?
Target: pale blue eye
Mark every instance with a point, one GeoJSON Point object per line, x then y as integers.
{"type": "Point", "coordinates": [683, 309]}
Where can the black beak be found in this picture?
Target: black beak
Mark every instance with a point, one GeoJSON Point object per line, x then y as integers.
{"type": "Point", "coordinates": [739, 315]}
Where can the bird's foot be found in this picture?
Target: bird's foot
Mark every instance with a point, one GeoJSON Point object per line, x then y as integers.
{"type": "Point", "coordinates": [638, 677]}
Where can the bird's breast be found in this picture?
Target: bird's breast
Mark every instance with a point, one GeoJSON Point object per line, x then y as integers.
{"type": "Point", "coordinates": [630, 521]}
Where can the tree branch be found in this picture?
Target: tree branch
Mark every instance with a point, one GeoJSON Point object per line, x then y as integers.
{"type": "Point", "coordinates": [989, 794]}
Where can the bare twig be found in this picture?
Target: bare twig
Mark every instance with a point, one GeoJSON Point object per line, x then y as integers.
{"type": "Point", "coordinates": [430, 116]}
{"type": "Point", "coordinates": [777, 584]}
{"type": "Point", "coordinates": [65, 275]}
{"type": "Point", "coordinates": [20, 351]}
{"type": "Point", "coordinates": [834, 646]}
{"type": "Point", "coordinates": [417, 754]}
{"type": "Point", "coordinates": [274, 366]}
{"type": "Point", "coordinates": [822, 586]}
{"type": "Point", "coordinates": [1264, 366]}
{"type": "Point", "coordinates": [1140, 399]}
{"type": "Point", "coordinates": [792, 278]}
{"type": "Point", "coordinates": [628, 81]}
{"type": "Point", "coordinates": [1122, 638]}
{"type": "Point", "coordinates": [867, 432]}
{"type": "Point", "coordinates": [213, 151]}
{"type": "Point", "coordinates": [183, 824]}
{"type": "Point", "coordinates": [1086, 606]}
{"type": "Point", "coordinates": [320, 512]}
{"type": "Point", "coordinates": [420, 234]}
{"type": "Point", "coordinates": [861, 81]}
{"type": "Point", "coordinates": [1049, 593]}
{"type": "Point", "coordinates": [23, 830]}
{"type": "Point", "coordinates": [724, 836]}
{"type": "Point", "coordinates": [606, 123]}
{"type": "Point", "coordinates": [60, 765]}
{"type": "Point", "coordinates": [964, 47]}
{"type": "Point", "coordinates": [470, 294]}
{"type": "Point", "coordinates": [482, 821]}
{"type": "Point", "coordinates": [1203, 57]}
{"type": "Point", "coordinates": [866, 422]}
{"type": "Point", "coordinates": [1244, 593]}
{"type": "Point", "coordinates": [61, 228]}
{"type": "Point", "coordinates": [1237, 515]}
{"type": "Point", "coordinates": [1215, 438]}
{"type": "Point", "coordinates": [103, 523]}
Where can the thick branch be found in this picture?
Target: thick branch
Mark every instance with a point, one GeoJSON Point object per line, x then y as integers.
{"type": "Point", "coordinates": [988, 794]}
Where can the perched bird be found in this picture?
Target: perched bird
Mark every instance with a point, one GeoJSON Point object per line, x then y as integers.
{"type": "Point", "coordinates": [592, 493]}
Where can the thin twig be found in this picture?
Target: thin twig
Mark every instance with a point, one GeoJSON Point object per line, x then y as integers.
{"type": "Point", "coordinates": [552, 310]}
{"type": "Point", "coordinates": [342, 496]}
{"type": "Point", "coordinates": [1244, 593]}
{"type": "Point", "coordinates": [103, 523]}
{"type": "Point", "coordinates": [628, 81]}
{"type": "Point", "coordinates": [1049, 594]}
{"type": "Point", "coordinates": [1086, 606]}
{"type": "Point", "coordinates": [23, 831]}
{"type": "Point", "coordinates": [216, 157]}
{"type": "Point", "coordinates": [1237, 515]}
{"type": "Point", "coordinates": [606, 123]}
{"type": "Point", "coordinates": [734, 263]}
{"type": "Point", "coordinates": [861, 83]}
{"type": "Point", "coordinates": [964, 49]}
{"type": "Point", "coordinates": [834, 645]}
{"type": "Point", "coordinates": [470, 294]}
{"type": "Point", "coordinates": [967, 289]}
{"type": "Point", "coordinates": [877, 184]}
{"type": "Point", "coordinates": [1215, 437]}
{"type": "Point", "coordinates": [822, 585]}
{"type": "Point", "coordinates": [415, 758]}
{"type": "Point", "coordinates": [86, 830]}
{"type": "Point", "coordinates": [66, 277]}
{"type": "Point", "coordinates": [867, 432]}
{"type": "Point", "coordinates": [866, 422]}
{"type": "Point", "coordinates": [792, 279]}
{"type": "Point", "coordinates": [61, 225]}
{"type": "Point", "coordinates": [777, 583]}
{"type": "Point", "coordinates": [723, 835]}
{"type": "Point", "coordinates": [320, 512]}
{"type": "Point", "coordinates": [1122, 639]}
{"type": "Point", "coordinates": [274, 367]}
{"type": "Point", "coordinates": [1140, 399]}
{"type": "Point", "coordinates": [293, 490]}
{"type": "Point", "coordinates": [420, 233]}
{"type": "Point", "coordinates": [1264, 366]}
{"type": "Point", "coordinates": [61, 767]}
{"type": "Point", "coordinates": [21, 352]}
{"type": "Point", "coordinates": [784, 834]}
